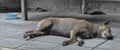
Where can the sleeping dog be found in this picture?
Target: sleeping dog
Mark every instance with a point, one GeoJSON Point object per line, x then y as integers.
{"type": "Point", "coordinates": [72, 28]}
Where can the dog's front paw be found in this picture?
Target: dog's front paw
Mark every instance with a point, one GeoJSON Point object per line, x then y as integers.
{"type": "Point", "coordinates": [27, 37]}
{"type": "Point", "coordinates": [65, 43]}
{"type": "Point", "coordinates": [80, 43]}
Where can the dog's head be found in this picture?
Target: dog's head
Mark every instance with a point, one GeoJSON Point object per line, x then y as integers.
{"type": "Point", "coordinates": [104, 31]}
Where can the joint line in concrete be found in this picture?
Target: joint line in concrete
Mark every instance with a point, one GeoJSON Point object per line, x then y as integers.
{"type": "Point", "coordinates": [99, 44]}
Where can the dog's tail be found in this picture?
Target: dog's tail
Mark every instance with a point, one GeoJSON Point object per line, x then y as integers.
{"type": "Point", "coordinates": [97, 12]}
{"type": "Point", "coordinates": [40, 9]}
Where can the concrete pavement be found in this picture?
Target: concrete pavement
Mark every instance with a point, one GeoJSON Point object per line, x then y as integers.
{"type": "Point", "coordinates": [11, 38]}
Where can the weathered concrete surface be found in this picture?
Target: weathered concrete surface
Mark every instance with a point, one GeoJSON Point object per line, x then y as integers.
{"type": "Point", "coordinates": [12, 31]}
{"type": "Point", "coordinates": [11, 43]}
{"type": "Point", "coordinates": [114, 45]}
{"type": "Point", "coordinates": [71, 48]}
{"type": "Point", "coordinates": [38, 45]}
{"type": "Point", "coordinates": [2, 48]}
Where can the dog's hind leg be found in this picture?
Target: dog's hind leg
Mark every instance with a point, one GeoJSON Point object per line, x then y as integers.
{"type": "Point", "coordinates": [80, 41]}
{"type": "Point", "coordinates": [41, 27]}
{"type": "Point", "coordinates": [44, 25]}
{"type": "Point", "coordinates": [72, 37]}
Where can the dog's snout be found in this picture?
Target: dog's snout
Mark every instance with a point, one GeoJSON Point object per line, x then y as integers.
{"type": "Point", "coordinates": [110, 38]}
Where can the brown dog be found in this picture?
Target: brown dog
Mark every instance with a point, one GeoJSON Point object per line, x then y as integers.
{"type": "Point", "coordinates": [73, 28]}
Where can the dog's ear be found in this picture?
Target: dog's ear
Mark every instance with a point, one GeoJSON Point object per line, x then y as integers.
{"type": "Point", "coordinates": [107, 23]}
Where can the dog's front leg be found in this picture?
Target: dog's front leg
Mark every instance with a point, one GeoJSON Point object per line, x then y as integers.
{"type": "Point", "coordinates": [80, 41]}
{"type": "Point", "coordinates": [37, 33]}
{"type": "Point", "coordinates": [33, 33]}
{"type": "Point", "coordinates": [72, 37]}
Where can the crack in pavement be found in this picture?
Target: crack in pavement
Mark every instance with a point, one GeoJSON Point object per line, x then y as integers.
{"type": "Point", "coordinates": [55, 47]}
{"type": "Point", "coordinates": [99, 44]}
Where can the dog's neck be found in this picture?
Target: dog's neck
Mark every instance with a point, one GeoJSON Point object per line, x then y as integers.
{"type": "Point", "coordinates": [96, 29]}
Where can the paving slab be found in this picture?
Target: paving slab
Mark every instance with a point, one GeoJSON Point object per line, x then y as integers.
{"type": "Point", "coordinates": [117, 38]}
{"type": "Point", "coordinates": [57, 39]}
{"type": "Point", "coordinates": [7, 29]}
{"type": "Point", "coordinates": [1, 48]}
{"type": "Point", "coordinates": [29, 49]}
{"type": "Point", "coordinates": [114, 45]}
{"type": "Point", "coordinates": [8, 32]}
{"type": "Point", "coordinates": [71, 48]}
{"type": "Point", "coordinates": [101, 49]}
{"type": "Point", "coordinates": [11, 43]}
{"type": "Point", "coordinates": [91, 42]}
{"type": "Point", "coordinates": [1, 38]}
{"type": "Point", "coordinates": [38, 45]}
{"type": "Point", "coordinates": [17, 36]}
{"type": "Point", "coordinates": [115, 31]}
{"type": "Point", "coordinates": [50, 38]}
{"type": "Point", "coordinates": [4, 25]}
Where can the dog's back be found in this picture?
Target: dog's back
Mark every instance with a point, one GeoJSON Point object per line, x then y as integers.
{"type": "Point", "coordinates": [63, 26]}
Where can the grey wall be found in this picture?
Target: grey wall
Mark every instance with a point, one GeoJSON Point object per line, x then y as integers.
{"type": "Point", "coordinates": [10, 3]}
{"type": "Point", "coordinates": [109, 7]}
{"type": "Point", "coordinates": [57, 5]}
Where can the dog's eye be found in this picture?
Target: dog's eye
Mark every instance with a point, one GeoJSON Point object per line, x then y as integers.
{"type": "Point", "coordinates": [109, 30]}
{"type": "Point", "coordinates": [105, 34]}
